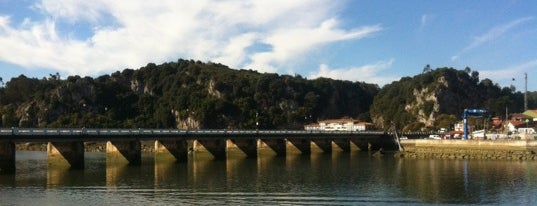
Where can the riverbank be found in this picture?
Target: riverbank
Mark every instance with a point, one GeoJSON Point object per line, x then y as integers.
{"type": "Point", "coordinates": [469, 149]}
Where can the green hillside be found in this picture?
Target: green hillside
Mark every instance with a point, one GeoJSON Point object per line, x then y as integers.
{"type": "Point", "coordinates": [183, 94]}
{"type": "Point", "coordinates": [192, 94]}
{"type": "Point", "coordinates": [437, 98]}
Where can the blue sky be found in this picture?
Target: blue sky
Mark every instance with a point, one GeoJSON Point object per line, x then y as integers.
{"type": "Point", "coordinates": [372, 41]}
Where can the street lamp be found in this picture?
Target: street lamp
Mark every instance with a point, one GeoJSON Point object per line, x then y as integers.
{"type": "Point", "coordinates": [84, 118]}
{"type": "Point", "coordinates": [256, 121]}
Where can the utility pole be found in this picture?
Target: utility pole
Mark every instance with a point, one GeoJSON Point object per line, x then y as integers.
{"type": "Point", "coordinates": [525, 92]}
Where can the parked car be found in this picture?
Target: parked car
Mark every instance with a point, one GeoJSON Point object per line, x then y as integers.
{"type": "Point", "coordinates": [434, 136]}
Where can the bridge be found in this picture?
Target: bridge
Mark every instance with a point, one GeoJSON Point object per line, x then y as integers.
{"type": "Point", "coordinates": [65, 146]}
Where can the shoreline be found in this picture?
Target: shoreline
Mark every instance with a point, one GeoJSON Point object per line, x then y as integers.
{"type": "Point", "coordinates": [469, 149]}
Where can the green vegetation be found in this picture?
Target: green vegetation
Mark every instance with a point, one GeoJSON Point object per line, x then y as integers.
{"type": "Point", "coordinates": [192, 94]}
{"type": "Point", "coordinates": [185, 94]}
{"type": "Point", "coordinates": [439, 97]}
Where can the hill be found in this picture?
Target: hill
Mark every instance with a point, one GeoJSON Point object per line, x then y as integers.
{"type": "Point", "coordinates": [183, 94]}
{"type": "Point", "coordinates": [437, 98]}
{"type": "Point", "coordinates": [192, 94]}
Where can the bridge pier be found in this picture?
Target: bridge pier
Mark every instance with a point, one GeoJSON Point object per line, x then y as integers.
{"type": "Point", "coordinates": [275, 146]}
{"type": "Point", "coordinates": [301, 146]}
{"type": "Point", "coordinates": [343, 145]}
{"type": "Point", "coordinates": [7, 157]}
{"type": "Point", "coordinates": [171, 149]}
{"type": "Point", "coordinates": [129, 152]}
{"type": "Point", "coordinates": [247, 146]}
{"type": "Point", "coordinates": [66, 154]}
{"type": "Point", "coordinates": [217, 148]}
{"type": "Point", "coordinates": [362, 144]}
{"type": "Point", "coordinates": [374, 146]}
{"type": "Point", "coordinates": [321, 145]}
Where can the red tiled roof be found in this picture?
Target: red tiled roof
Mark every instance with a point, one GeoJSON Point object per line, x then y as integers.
{"type": "Point", "coordinates": [520, 116]}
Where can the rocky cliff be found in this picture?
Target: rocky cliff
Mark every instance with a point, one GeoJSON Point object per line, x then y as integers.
{"type": "Point", "coordinates": [419, 102]}
{"type": "Point", "coordinates": [183, 94]}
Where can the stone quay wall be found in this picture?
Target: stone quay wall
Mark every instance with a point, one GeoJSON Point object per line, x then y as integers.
{"type": "Point", "coordinates": [469, 149]}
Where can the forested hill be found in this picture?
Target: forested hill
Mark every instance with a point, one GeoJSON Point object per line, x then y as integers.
{"type": "Point", "coordinates": [183, 94]}
{"type": "Point", "coordinates": [437, 98]}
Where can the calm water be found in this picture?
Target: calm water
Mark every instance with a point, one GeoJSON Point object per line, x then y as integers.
{"type": "Point", "coordinates": [337, 179]}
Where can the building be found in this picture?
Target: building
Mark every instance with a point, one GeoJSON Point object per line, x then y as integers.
{"type": "Point", "coordinates": [312, 127]}
{"type": "Point", "coordinates": [459, 126]}
{"type": "Point", "coordinates": [364, 126]}
{"type": "Point", "coordinates": [497, 122]}
{"type": "Point", "coordinates": [343, 124]}
{"type": "Point", "coordinates": [520, 120]}
{"type": "Point", "coordinates": [532, 114]}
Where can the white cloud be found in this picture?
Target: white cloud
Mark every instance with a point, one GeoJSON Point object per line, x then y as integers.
{"type": "Point", "coordinates": [289, 43]}
{"type": "Point", "coordinates": [496, 32]}
{"type": "Point", "coordinates": [4, 21]}
{"type": "Point", "coordinates": [515, 71]}
{"type": "Point", "coordinates": [73, 10]}
{"type": "Point", "coordinates": [133, 33]}
{"type": "Point", "coordinates": [505, 76]}
{"type": "Point", "coordinates": [367, 73]}
{"type": "Point", "coordinates": [491, 35]}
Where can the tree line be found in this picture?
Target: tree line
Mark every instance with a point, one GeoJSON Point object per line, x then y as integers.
{"type": "Point", "coordinates": [182, 94]}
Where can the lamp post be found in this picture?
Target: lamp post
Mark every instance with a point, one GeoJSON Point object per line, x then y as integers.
{"type": "Point", "coordinates": [84, 118]}
{"type": "Point", "coordinates": [256, 121]}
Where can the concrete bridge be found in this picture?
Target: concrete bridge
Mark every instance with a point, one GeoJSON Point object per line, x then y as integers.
{"type": "Point", "coordinates": [65, 147]}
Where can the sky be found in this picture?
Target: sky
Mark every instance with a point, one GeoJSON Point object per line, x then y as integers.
{"type": "Point", "coordinates": [376, 41]}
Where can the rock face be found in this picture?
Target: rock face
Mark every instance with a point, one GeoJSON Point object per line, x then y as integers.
{"type": "Point", "coordinates": [418, 102]}
{"type": "Point", "coordinates": [425, 105]}
{"type": "Point", "coordinates": [184, 94]}
{"type": "Point", "coordinates": [446, 95]}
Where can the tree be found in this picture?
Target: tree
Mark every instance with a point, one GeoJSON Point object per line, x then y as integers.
{"type": "Point", "coordinates": [427, 68]}
{"type": "Point", "coordinates": [475, 76]}
{"type": "Point", "coordinates": [1, 82]}
{"type": "Point", "coordinates": [467, 70]}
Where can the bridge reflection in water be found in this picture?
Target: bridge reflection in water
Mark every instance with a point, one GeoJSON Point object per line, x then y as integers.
{"type": "Point", "coordinates": [65, 147]}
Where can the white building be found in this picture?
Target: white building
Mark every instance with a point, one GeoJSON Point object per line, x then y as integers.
{"type": "Point", "coordinates": [312, 126]}
{"type": "Point", "coordinates": [344, 124]}
{"type": "Point", "coordinates": [459, 127]}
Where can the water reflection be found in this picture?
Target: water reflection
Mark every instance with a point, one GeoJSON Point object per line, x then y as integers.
{"type": "Point", "coordinates": [169, 174]}
{"type": "Point", "coordinates": [240, 174]}
{"type": "Point", "coordinates": [336, 178]}
{"type": "Point", "coordinates": [207, 174]}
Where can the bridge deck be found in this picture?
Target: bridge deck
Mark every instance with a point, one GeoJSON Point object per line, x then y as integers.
{"type": "Point", "coordinates": [37, 134]}
{"type": "Point", "coordinates": [91, 134]}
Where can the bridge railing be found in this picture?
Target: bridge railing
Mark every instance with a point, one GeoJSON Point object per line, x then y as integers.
{"type": "Point", "coordinates": [166, 132]}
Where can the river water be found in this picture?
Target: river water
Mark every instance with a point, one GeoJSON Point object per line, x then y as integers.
{"type": "Point", "coordinates": [330, 179]}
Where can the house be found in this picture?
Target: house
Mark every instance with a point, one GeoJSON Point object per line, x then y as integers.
{"type": "Point", "coordinates": [364, 126]}
{"type": "Point", "coordinates": [338, 124]}
{"type": "Point", "coordinates": [532, 114]}
{"type": "Point", "coordinates": [459, 127]}
{"type": "Point", "coordinates": [343, 124]}
{"type": "Point", "coordinates": [519, 120]}
{"type": "Point", "coordinates": [496, 122]}
{"type": "Point", "coordinates": [312, 127]}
